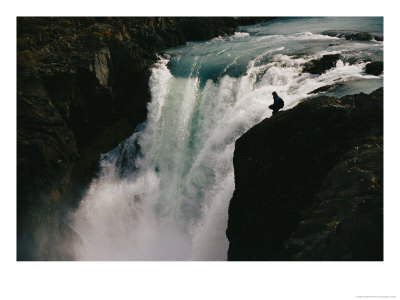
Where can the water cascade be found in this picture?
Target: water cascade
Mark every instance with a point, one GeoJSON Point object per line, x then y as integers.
{"type": "Point", "coordinates": [163, 193]}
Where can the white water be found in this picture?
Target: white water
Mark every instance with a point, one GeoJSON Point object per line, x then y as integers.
{"type": "Point", "coordinates": [163, 194]}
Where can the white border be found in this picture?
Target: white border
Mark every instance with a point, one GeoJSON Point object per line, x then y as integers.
{"type": "Point", "coordinates": [197, 280]}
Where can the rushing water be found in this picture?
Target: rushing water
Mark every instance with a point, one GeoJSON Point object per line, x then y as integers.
{"type": "Point", "coordinates": [163, 193]}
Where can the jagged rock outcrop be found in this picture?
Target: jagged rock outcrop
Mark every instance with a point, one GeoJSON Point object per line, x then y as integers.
{"type": "Point", "coordinates": [319, 66]}
{"type": "Point", "coordinates": [309, 183]}
{"type": "Point", "coordinates": [82, 87]}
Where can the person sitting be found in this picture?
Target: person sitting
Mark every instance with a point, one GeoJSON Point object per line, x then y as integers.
{"type": "Point", "coordinates": [278, 103]}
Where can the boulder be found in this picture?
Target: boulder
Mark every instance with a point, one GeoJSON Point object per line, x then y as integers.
{"type": "Point", "coordinates": [319, 66]}
{"type": "Point", "coordinates": [374, 68]}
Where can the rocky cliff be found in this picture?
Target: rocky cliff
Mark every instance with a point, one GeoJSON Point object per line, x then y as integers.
{"type": "Point", "coordinates": [309, 183]}
{"type": "Point", "coordinates": [82, 87]}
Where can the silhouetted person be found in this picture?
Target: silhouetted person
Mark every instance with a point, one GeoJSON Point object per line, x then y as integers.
{"type": "Point", "coordinates": [278, 103]}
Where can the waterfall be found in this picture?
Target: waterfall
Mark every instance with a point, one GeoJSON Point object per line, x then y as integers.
{"type": "Point", "coordinates": [163, 193]}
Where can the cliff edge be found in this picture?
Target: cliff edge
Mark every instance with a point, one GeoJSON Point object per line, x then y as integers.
{"type": "Point", "coordinates": [309, 183]}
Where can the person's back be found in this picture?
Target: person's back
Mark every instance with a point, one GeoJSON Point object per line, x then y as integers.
{"type": "Point", "coordinates": [278, 103]}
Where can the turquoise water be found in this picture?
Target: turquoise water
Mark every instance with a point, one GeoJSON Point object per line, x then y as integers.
{"type": "Point", "coordinates": [291, 40]}
{"type": "Point", "coordinates": [163, 194]}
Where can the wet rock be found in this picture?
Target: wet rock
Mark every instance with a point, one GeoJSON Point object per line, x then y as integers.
{"type": "Point", "coordinates": [378, 37]}
{"type": "Point", "coordinates": [309, 183]}
{"type": "Point", "coordinates": [319, 66]}
{"type": "Point", "coordinates": [359, 36]}
{"type": "Point", "coordinates": [374, 68]}
{"type": "Point", "coordinates": [355, 35]}
{"type": "Point", "coordinates": [325, 88]}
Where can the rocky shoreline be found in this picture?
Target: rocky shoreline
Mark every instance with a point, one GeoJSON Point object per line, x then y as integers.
{"type": "Point", "coordinates": [309, 183]}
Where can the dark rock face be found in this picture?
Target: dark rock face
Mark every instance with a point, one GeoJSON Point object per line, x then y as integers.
{"type": "Point", "coordinates": [355, 35]}
{"type": "Point", "coordinates": [202, 29]}
{"type": "Point", "coordinates": [374, 68]}
{"type": "Point", "coordinates": [309, 183]}
{"type": "Point", "coordinates": [82, 87]}
{"type": "Point", "coordinates": [319, 66]}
